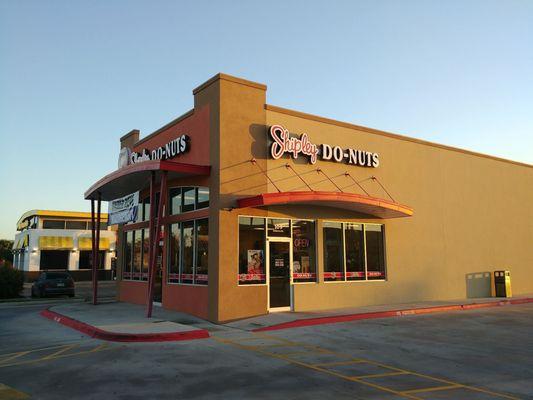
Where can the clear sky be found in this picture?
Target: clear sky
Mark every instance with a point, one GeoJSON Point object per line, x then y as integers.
{"type": "Point", "coordinates": [76, 75]}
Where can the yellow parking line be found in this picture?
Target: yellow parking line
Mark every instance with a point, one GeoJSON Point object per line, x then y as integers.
{"type": "Point", "coordinates": [338, 363]}
{"type": "Point", "coordinates": [101, 347]}
{"type": "Point", "coordinates": [310, 366]}
{"type": "Point", "coordinates": [33, 350]}
{"type": "Point", "coordinates": [434, 389]}
{"type": "Point", "coordinates": [270, 345]}
{"type": "Point", "coordinates": [318, 367]}
{"type": "Point", "coordinates": [8, 393]}
{"type": "Point", "coordinates": [244, 339]}
{"type": "Point", "coordinates": [290, 353]}
{"type": "Point", "coordinates": [12, 357]}
{"type": "Point", "coordinates": [380, 375]}
{"type": "Point", "coordinates": [61, 351]}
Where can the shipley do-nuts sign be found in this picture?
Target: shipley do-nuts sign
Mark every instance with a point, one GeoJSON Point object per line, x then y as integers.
{"type": "Point", "coordinates": [284, 143]}
{"type": "Point", "coordinates": [174, 148]}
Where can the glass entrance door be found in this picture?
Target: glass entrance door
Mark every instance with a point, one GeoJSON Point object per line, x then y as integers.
{"type": "Point", "coordinates": [279, 269]}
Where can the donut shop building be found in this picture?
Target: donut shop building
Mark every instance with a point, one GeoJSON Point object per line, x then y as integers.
{"type": "Point", "coordinates": [238, 208]}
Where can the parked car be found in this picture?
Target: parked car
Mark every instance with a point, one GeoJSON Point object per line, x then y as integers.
{"type": "Point", "coordinates": [53, 283]}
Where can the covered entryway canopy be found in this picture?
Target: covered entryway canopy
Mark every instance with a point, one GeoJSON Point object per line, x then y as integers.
{"type": "Point", "coordinates": [135, 177]}
{"type": "Point", "coordinates": [379, 208]}
{"type": "Point", "coordinates": [130, 179]}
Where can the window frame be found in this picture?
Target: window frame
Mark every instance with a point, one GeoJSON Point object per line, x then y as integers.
{"type": "Point", "coordinates": [364, 225]}
{"type": "Point", "coordinates": [182, 200]}
{"type": "Point", "coordinates": [194, 255]}
{"type": "Point", "coordinates": [280, 238]}
{"type": "Point", "coordinates": [124, 254]}
{"type": "Point", "coordinates": [54, 220]}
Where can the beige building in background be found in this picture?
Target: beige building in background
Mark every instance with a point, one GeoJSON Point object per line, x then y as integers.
{"type": "Point", "coordinates": [329, 215]}
{"type": "Point", "coordinates": [61, 240]}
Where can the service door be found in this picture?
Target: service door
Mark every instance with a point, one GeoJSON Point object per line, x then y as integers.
{"type": "Point", "coordinates": [279, 271]}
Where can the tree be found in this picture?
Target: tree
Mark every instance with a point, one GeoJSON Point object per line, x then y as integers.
{"type": "Point", "coordinates": [11, 281]}
{"type": "Point", "coordinates": [6, 252]}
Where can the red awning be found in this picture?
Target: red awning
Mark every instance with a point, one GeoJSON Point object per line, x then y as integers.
{"type": "Point", "coordinates": [374, 206]}
{"type": "Point", "coordinates": [136, 177]}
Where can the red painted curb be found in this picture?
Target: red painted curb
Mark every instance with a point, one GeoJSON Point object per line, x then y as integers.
{"type": "Point", "coordinates": [386, 314]}
{"type": "Point", "coordinates": [98, 333]}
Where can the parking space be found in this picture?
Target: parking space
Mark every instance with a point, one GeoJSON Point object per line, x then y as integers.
{"type": "Point", "coordinates": [478, 354]}
{"type": "Point", "coordinates": [388, 379]}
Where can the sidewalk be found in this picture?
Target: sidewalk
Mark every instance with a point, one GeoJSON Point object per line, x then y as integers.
{"type": "Point", "coordinates": [127, 322]}
{"type": "Point", "coordinates": [288, 320]}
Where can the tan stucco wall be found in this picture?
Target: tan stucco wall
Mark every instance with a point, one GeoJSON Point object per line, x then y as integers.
{"type": "Point", "coordinates": [471, 212]}
{"type": "Point", "coordinates": [470, 215]}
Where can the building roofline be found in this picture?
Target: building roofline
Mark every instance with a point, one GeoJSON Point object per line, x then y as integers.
{"type": "Point", "coordinates": [57, 213]}
{"type": "Point", "coordinates": [317, 118]}
{"type": "Point", "coordinates": [166, 126]}
{"type": "Point", "coordinates": [230, 78]}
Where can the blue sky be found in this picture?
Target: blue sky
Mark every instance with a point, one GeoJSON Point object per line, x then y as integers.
{"type": "Point", "coordinates": [76, 75]}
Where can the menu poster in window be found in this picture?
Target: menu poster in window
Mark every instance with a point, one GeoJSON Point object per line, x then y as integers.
{"type": "Point", "coordinates": [305, 264]}
{"type": "Point", "coordinates": [255, 261]}
{"type": "Point", "coordinates": [296, 267]}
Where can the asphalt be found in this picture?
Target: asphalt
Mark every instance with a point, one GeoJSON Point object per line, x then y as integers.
{"type": "Point", "coordinates": [106, 290]}
{"type": "Point", "coordinates": [474, 354]}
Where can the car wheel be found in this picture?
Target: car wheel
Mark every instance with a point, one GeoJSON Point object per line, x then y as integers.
{"type": "Point", "coordinates": [42, 293]}
{"type": "Point", "coordinates": [33, 295]}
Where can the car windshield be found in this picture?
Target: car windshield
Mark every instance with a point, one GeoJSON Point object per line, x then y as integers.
{"type": "Point", "coordinates": [56, 275]}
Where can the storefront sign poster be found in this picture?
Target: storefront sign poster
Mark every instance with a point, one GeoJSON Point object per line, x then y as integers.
{"type": "Point", "coordinates": [255, 261]}
{"type": "Point", "coordinates": [124, 209]}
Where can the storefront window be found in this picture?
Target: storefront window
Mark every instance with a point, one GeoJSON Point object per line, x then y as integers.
{"type": "Point", "coordinates": [355, 253]}
{"type": "Point", "coordinates": [188, 252]}
{"type": "Point", "coordinates": [203, 198]}
{"type": "Point", "coordinates": [175, 200]}
{"type": "Point", "coordinates": [202, 241]}
{"type": "Point", "coordinates": [333, 251]}
{"type": "Point", "coordinates": [128, 247]}
{"type": "Point", "coordinates": [53, 224]}
{"type": "Point", "coordinates": [146, 209]}
{"type": "Point", "coordinates": [279, 227]}
{"type": "Point", "coordinates": [189, 198]}
{"type": "Point", "coordinates": [251, 250]}
{"type": "Point", "coordinates": [103, 226]}
{"type": "Point", "coordinates": [146, 253]}
{"type": "Point", "coordinates": [375, 256]}
{"type": "Point", "coordinates": [137, 246]}
{"type": "Point", "coordinates": [303, 251]}
{"type": "Point", "coordinates": [77, 225]}
{"type": "Point", "coordinates": [174, 253]}
{"type": "Point", "coordinates": [363, 250]}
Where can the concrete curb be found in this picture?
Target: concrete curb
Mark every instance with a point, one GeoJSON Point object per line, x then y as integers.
{"type": "Point", "coordinates": [387, 314]}
{"type": "Point", "coordinates": [98, 333]}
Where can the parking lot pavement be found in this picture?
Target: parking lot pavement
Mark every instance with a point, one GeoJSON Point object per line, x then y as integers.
{"type": "Point", "coordinates": [106, 289]}
{"type": "Point", "coordinates": [477, 354]}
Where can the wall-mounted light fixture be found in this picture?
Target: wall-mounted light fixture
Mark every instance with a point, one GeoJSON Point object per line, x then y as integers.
{"type": "Point", "coordinates": [34, 250]}
{"type": "Point", "coordinates": [74, 250]}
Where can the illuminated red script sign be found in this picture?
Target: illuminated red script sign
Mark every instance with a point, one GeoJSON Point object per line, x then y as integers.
{"type": "Point", "coordinates": [283, 143]}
